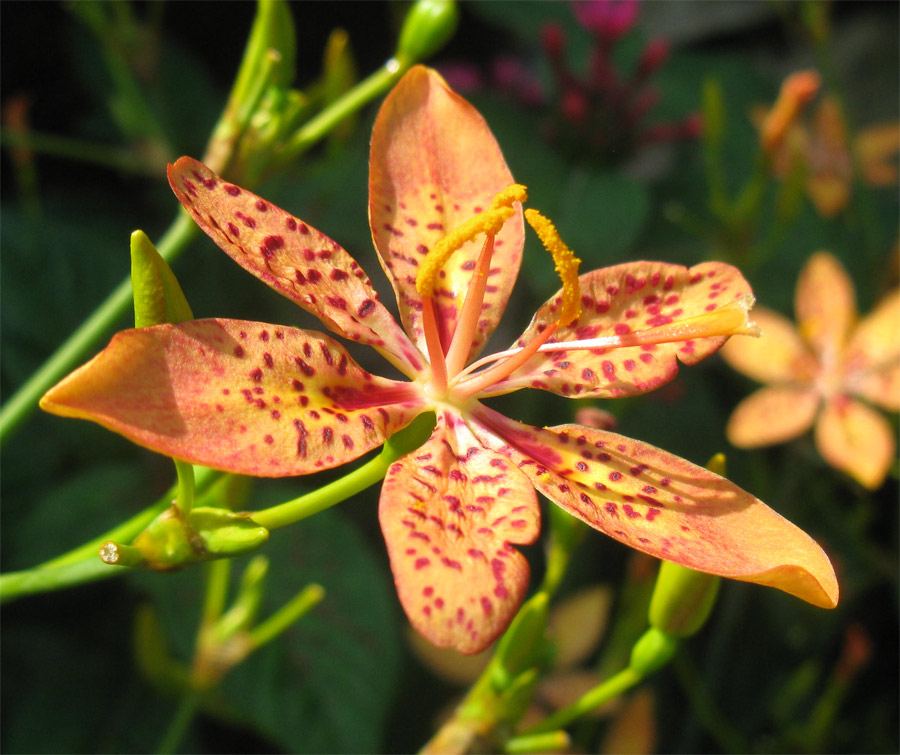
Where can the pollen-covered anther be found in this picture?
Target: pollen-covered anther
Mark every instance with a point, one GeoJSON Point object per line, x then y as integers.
{"type": "Point", "coordinates": [488, 222]}
{"type": "Point", "coordinates": [566, 266]}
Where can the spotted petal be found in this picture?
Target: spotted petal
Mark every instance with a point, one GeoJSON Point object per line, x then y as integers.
{"type": "Point", "coordinates": [773, 414]}
{"type": "Point", "coordinates": [620, 300]}
{"type": "Point", "coordinates": [450, 513]}
{"type": "Point", "coordinates": [857, 440]}
{"type": "Point", "coordinates": [825, 303]}
{"type": "Point", "coordinates": [779, 355]}
{"type": "Point", "coordinates": [293, 258]}
{"type": "Point", "coordinates": [433, 164]}
{"type": "Point", "coordinates": [662, 505]}
{"type": "Point", "coordinates": [241, 396]}
{"type": "Point", "coordinates": [872, 359]}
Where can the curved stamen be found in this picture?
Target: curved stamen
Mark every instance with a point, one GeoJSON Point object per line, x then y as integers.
{"type": "Point", "coordinates": [566, 264]}
{"type": "Point", "coordinates": [471, 311]}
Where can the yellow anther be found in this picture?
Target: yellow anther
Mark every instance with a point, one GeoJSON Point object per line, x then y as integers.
{"type": "Point", "coordinates": [488, 222]}
{"type": "Point", "coordinates": [512, 193]}
{"type": "Point", "coordinates": [566, 266]}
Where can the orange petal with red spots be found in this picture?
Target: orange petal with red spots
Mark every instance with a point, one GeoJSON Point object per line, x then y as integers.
{"type": "Point", "coordinates": [450, 513]}
{"type": "Point", "coordinates": [872, 358]}
{"type": "Point", "coordinates": [433, 164]}
{"type": "Point", "coordinates": [240, 396]}
{"type": "Point", "coordinates": [774, 414]}
{"type": "Point", "coordinates": [618, 301]}
{"type": "Point", "coordinates": [662, 505]}
{"type": "Point", "coordinates": [856, 439]}
{"type": "Point", "coordinates": [825, 303]}
{"type": "Point", "coordinates": [778, 355]}
{"type": "Point", "coordinates": [293, 258]}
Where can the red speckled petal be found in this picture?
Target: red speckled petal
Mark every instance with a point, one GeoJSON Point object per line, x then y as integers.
{"type": "Point", "coordinates": [450, 513]}
{"type": "Point", "coordinates": [245, 397]}
{"type": "Point", "coordinates": [433, 164]}
{"type": "Point", "coordinates": [774, 414]}
{"type": "Point", "coordinates": [872, 358]}
{"type": "Point", "coordinates": [779, 355]}
{"type": "Point", "coordinates": [825, 304]}
{"type": "Point", "coordinates": [856, 439]}
{"type": "Point", "coordinates": [618, 300]}
{"type": "Point", "coordinates": [662, 505]}
{"type": "Point", "coordinates": [293, 258]}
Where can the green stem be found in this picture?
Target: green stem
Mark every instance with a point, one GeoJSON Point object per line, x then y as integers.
{"type": "Point", "coordinates": [185, 485]}
{"type": "Point", "coordinates": [290, 612]}
{"type": "Point", "coordinates": [80, 150]}
{"type": "Point", "coordinates": [77, 346]}
{"type": "Point", "coordinates": [322, 124]}
{"type": "Point", "coordinates": [217, 573]}
{"type": "Point", "coordinates": [610, 689]}
{"type": "Point", "coordinates": [184, 715]}
{"type": "Point", "coordinates": [82, 563]}
{"type": "Point", "coordinates": [351, 484]}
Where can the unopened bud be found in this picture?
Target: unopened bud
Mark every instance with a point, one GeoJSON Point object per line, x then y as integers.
{"type": "Point", "coordinates": [796, 92]}
{"type": "Point", "coordinates": [682, 599]}
{"type": "Point", "coordinates": [427, 28]}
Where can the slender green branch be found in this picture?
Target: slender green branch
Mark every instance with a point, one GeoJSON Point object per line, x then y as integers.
{"type": "Point", "coordinates": [349, 485]}
{"type": "Point", "coordinates": [184, 715]}
{"type": "Point", "coordinates": [602, 693]}
{"type": "Point", "coordinates": [82, 563]}
{"type": "Point", "coordinates": [290, 612]}
{"type": "Point", "coordinates": [217, 575]}
{"type": "Point", "coordinates": [322, 124]}
{"type": "Point", "coordinates": [77, 346]}
{"type": "Point", "coordinates": [81, 150]}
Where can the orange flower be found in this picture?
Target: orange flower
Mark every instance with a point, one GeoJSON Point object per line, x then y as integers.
{"type": "Point", "coordinates": [822, 147]}
{"type": "Point", "coordinates": [818, 371]}
{"type": "Point", "coordinates": [270, 400]}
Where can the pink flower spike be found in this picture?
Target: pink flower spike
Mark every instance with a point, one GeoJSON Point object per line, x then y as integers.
{"type": "Point", "coordinates": [608, 19]}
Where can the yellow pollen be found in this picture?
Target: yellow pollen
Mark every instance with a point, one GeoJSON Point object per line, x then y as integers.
{"type": "Point", "coordinates": [566, 266]}
{"type": "Point", "coordinates": [488, 222]}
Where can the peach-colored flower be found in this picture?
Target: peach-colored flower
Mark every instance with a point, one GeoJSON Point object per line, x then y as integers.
{"type": "Point", "coordinates": [271, 400]}
{"type": "Point", "coordinates": [817, 372]}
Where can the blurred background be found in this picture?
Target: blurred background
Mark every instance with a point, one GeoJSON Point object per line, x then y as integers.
{"type": "Point", "coordinates": [606, 128]}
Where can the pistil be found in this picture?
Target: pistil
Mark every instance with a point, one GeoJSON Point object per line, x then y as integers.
{"type": "Point", "coordinates": [730, 319]}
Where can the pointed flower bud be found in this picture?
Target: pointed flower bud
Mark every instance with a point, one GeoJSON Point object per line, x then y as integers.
{"type": "Point", "coordinates": [158, 297]}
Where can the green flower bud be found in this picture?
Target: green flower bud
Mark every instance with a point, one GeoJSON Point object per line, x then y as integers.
{"type": "Point", "coordinates": [427, 28]}
{"type": "Point", "coordinates": [652, 651]}
{"type": "Point", "coordinates": [682, 599]}
{"type": "Point", "coordinates": [158, 297]}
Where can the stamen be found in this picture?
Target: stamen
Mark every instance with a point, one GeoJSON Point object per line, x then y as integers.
{"type": "Point", "coordinates": [566, 266]}
{"type": "Point", "coordinates": [471, 311]}
{"type": "Point", "coordinates": [569, 309]}
{"type": "Point", "coordinates": [488, 222]}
